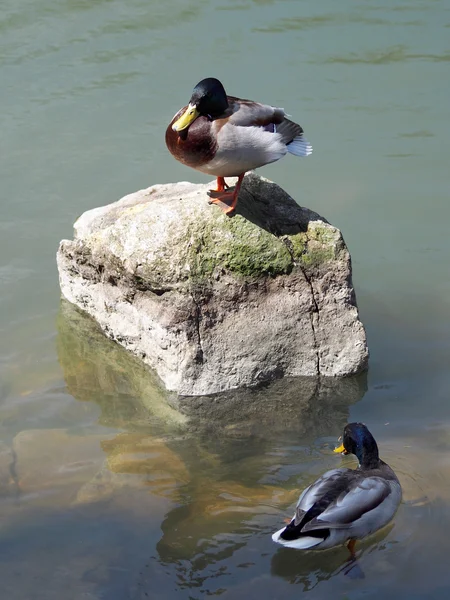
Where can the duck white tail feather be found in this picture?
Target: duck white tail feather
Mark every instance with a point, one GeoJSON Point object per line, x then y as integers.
{"type": "Point", "coordinates": [301, 543]}
{"type": "Point", "coordinates": [300, 146]}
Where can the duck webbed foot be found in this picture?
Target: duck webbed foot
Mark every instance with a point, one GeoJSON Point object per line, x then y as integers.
{"type": "Point", "coordinates": [351, 548]}
{"type": "Point", "coordinates": [226, 200]}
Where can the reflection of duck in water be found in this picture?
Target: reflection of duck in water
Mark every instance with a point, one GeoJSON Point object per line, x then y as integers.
{"type": "Point", "coordinates": [345, 505]}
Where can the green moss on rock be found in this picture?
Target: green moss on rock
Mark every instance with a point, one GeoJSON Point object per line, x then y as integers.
{"type": "Point", "coordinates": [210, 244]}
{"type": "Point", "coordinates": [245, 250]}
{"type": "Point", "coordinates": [313, 247]}
{"type": "Point", "coordinates": [326, 235]}
{"type": "Point", "coordinates": [317, 255]}
{"type": "Point", "coordinates": [298, 244]}
{"type": "Point", "coordinates": [239, 247]}
{"type": "Point", "coordinates": [321, 247]}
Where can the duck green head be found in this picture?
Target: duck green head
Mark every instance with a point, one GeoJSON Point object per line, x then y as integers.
{"type": "Point", "coordinates": [208, 100]}
{"type": "Point", "coordinates": [358, 440]}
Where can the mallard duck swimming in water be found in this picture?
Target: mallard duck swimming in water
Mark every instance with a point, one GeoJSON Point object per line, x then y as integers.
{"type": "Point", "coordinates": [345, 505]}
{"type": "Point", "coordinates": [226, 136]}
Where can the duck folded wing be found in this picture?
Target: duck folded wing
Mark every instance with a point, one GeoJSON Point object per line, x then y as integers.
{"type": "Point", "coordinates": [246, 113]}
{"type": "Point", "coordinates": [320, 493]}
{"type": "Point", "coordinates": [350, 505]}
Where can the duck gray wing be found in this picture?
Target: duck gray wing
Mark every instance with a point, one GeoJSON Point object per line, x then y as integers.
{"type": "Point", "coordinates": [319, 493]}
{"type": "Point", "coordinates": [352, 497]}
{"type": "Point", "coordinates": [247, 113]}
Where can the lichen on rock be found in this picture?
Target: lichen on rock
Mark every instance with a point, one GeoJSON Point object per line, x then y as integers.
{"type": "Point", "coordinates": [212, 302]}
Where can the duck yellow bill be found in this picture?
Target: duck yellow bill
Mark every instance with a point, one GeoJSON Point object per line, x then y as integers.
{"type": "Point", "coordinates": [188, 117]}
{"type": "Point", "coordinates": [340, 449]}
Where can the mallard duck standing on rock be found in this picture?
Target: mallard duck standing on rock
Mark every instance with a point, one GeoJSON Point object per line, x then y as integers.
{"type": "Point", "coordinates": [345, 505]}
{"type": "Point", "coordinates": [226, 136]}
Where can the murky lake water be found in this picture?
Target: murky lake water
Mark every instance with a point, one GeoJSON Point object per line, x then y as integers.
{"type": "Point", "coordinates": [106, 491]}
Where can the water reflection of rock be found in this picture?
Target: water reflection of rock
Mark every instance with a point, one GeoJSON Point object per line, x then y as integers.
{"type": "Point", "coordinates": [214, 474]}
{"type": "Point", "coordinates": [303, 406]}
{"type": "Point", "coordinates": [136, 463]}
{"type": "Point", "coordinates": [96, 369]}
{"type": "Point", "coordinates": [216, 460]}
{"type": "Point", "coordinates": [255, 481]}
{"type": "Point", "coordinates": [130, 395]}
{"type": "Point", "coordinates": [198, 439]}
{"type": "Point", "coordinates": [50, 464]}
{"type": "Point", "coordinates": [8, 484]}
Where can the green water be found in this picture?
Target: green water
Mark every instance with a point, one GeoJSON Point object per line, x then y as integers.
{"type": "Point", "coordinates": [106, 491]}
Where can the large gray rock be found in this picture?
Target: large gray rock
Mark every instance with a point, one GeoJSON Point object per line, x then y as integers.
{"type": "Point", "coordinates": [212, 302]}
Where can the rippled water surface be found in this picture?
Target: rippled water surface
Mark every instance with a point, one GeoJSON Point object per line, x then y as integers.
{"type": "Point", "coordinates": [109, 489]}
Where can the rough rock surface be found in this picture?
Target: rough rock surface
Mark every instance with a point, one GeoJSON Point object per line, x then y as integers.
{"type": "Point", "coordinates": [212, 302]}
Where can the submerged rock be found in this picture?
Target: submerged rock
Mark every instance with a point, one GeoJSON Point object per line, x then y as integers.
{"type": "Point", "coordinates": [50, 465]}
{"type": "Point", "coordinates": [8, 482]}
{"type": "Point", "coordinates": [130, 396]}
{"type": "Point", "coordinates": [213, 303]}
